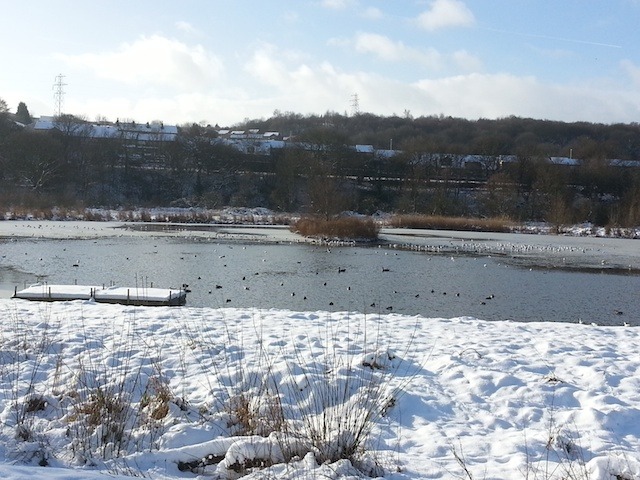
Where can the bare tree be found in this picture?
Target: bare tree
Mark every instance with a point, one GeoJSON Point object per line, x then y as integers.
{"type": "Point", "coordinates": [34, 160]}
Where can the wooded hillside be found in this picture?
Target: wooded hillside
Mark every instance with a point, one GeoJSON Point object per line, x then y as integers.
{"type": "Point", "coordinates": [317, 168]}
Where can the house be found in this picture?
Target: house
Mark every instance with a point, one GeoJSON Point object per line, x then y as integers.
{"type": "Point", "coordinates": [139, 142]}
{"type": "Point", "coordinates": [146, 133]}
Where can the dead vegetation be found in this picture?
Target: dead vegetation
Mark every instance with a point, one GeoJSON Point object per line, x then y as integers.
{"type": "Point", "coordinates": [438, 222]}
{"type": "Point", "coordinates": [345, 228]}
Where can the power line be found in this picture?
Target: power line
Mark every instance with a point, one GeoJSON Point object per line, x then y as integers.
{"type": "Point", "coordinates": [58, 93]}
{"type": "Point", "coordinates": [355, 104]}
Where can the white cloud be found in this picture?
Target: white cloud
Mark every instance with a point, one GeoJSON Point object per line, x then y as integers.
{"type": "Point", "coordinates": [467, 62]}
{"type": "Point", "coordinates": [153, 60]}
{"type": "Point", "coordinates": [289, 84]}
{"type": "Point", "coordinates": [299, 87]}
{"type": "Point", "coordinates": [393, 51]}
{"type": "Point", "coordinates": [632, 70]}
{"type": "Point", "coordinates": [373, 13]}
{"type": "Point", "coordinates": [274, 78]}
{"type": "Point", "coordinates": [309, 88]}
{"type": "Point", "coordinates": [500, 95]}
{"type": "Point", "coordinates": [446, 13]}
{"type": "Point", "coordinates": [185, 27]}
{"type": "Point", "coordinates": [267, 65]}
{"type": "Point", "coordinates": [341, 42]}
{"type": "Point", "coordinates": [305, 87]}
{"type": "Point", "coordinates": [388, 50]}
{"type": "Point", "coordinates": [291, 17]}
{"type": "Point", "coordinates": [315, 88]}
{"type": "Point", "coordinates": [337, 4]}
{"type": "Point", "coordinates": [477, 95]}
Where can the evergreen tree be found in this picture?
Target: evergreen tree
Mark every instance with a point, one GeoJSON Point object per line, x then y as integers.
{"type": "Point", "coordinates": [4, 118]}
{"type": "Point", "coordinates": [22, 114]}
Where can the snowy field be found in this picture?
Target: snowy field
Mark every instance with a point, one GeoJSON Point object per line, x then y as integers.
{"type": "Point", "coordinates": [108, 391]}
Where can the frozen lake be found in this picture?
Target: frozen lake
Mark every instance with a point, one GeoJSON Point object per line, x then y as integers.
{"type": "Point", "coordinates": [429, 273]}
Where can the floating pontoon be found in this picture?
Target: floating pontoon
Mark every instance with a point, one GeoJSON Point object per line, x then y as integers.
{"type": "Point", "coordinates": [128, 296]}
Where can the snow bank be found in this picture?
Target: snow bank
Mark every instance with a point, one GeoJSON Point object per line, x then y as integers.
{"type": "Point", "coordinates": [89, 389]}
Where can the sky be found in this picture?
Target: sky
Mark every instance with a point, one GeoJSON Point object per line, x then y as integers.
{"type": "Point", "coordinates": [215, 62]}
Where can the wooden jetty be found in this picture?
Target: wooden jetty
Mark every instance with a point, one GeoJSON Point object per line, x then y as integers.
{"type": "Point", "coordinates": [44, 292]}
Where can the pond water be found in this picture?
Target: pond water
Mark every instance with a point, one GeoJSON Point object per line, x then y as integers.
{"type": "Point", "coordinates": [433, 282]}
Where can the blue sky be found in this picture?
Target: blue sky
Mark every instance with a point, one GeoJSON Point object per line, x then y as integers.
{"type": "Point", "coordinates": [221, 62]}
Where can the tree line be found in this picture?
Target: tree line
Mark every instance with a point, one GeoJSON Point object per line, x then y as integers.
{"type": "Point", "coordinates": [319, 172]}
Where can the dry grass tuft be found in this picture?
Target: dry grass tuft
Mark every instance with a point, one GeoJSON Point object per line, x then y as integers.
{"type": "Point", "coordinates": [156, 398]}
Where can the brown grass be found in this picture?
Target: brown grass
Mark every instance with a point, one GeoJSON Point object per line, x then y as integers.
{"type": "Point", "coordinates": [435, 222]}
{"type": "Point", "coordinates": [339, 228]}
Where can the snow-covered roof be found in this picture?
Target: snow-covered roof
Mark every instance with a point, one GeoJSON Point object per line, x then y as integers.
{"type": "Point", "coordinates": [364, 148]}
{"type": "Point", "coordinates": [43, 123]}
{"type": "Point", "coordinates": [386, 153]}
{"type": "Point", "coordinates": [616, 162]}
{"type": "Point", "coordinates": [275, 143]}
{"type": "Point", "coordinates": [477, 158]}
{"type": "Point", "coordinates": [568, 161]}
{"type": "Point", "coordinates": [147, 132]}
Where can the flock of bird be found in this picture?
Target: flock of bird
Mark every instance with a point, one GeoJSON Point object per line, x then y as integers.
{"type": "Point", "coordinates": [451, 248]}
{"type": "Point", "coordinates": [231, 289]}
{"type": "Point", "coordinates": [485, 248]}
{"type": "Point", "coordinates": [224, 289]}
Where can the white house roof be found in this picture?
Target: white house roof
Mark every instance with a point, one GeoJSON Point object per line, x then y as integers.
{"type": "Point", "coordinates": [275, 143]}
{"type": "Point", "coordinates": [386, 153]}
{"type": "Point", "coordinates": [364, 148]}
{"type": "Point", "coordinates": [43, 123]}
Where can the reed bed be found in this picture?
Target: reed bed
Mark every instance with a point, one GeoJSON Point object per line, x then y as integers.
{"type": "Point", "coordinates": [337, 228]}
{"type": "Point", "coordinates": [437, 222]}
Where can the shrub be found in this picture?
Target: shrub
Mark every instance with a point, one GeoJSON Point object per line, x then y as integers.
{"type": "Point", "coordinates": [276, 406]}
{"type": "Point", "coordinates": [335, 419]}
{"type": "Point", "coordinates": [338, 228]}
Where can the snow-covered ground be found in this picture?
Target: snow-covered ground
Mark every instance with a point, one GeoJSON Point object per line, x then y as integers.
{"type": "Point", "coordinates": [91, 390]}
{"type": "Point", "coordinates": [87, 230]}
